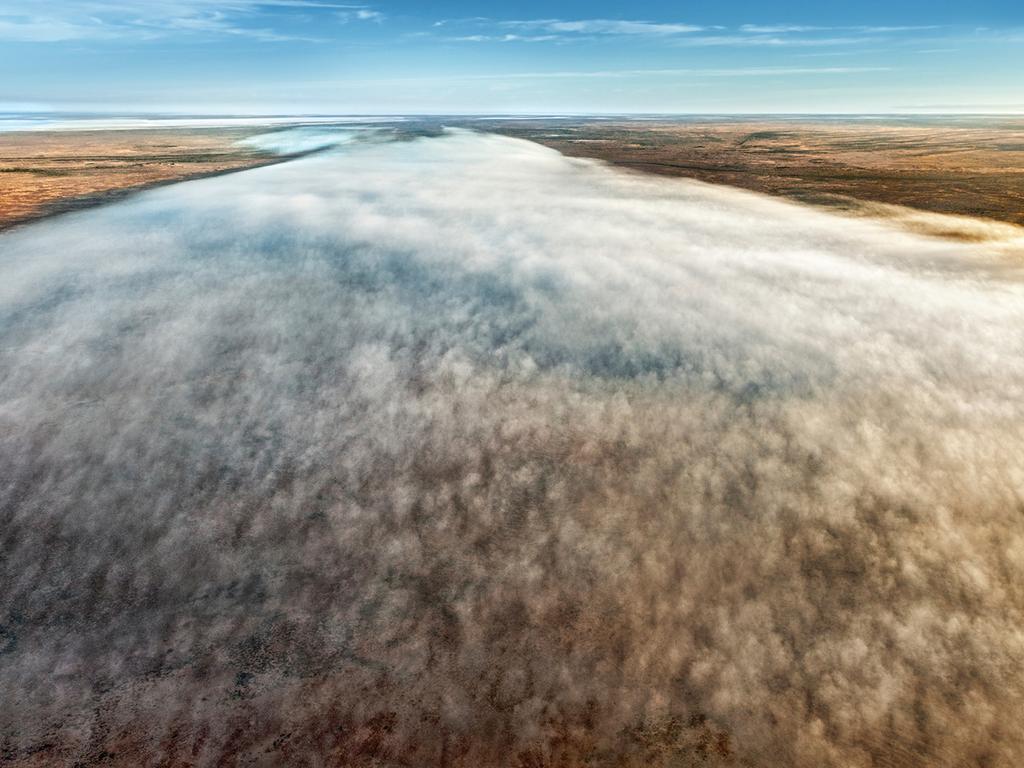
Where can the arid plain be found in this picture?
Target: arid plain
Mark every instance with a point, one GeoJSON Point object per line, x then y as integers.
{"type": "Point", "coordinates": [962, 166]}
{"type": "Point", "coordinates": [48, 172]}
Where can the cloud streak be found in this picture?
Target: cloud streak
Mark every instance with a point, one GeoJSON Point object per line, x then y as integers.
{"type": "Point", "coordinates": [456, 451]}
{"type": "Point", "coordinates": [112, 19]}
{"type": "Point", "coordinates": [746, 35]}
{"type": "Point", "coordinates": [774, 29]}
{"type": "Point", "coordinates": [606, 27]}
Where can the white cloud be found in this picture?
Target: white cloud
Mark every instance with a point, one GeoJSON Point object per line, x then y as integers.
{"type": "Point", "coordinates": [774, 29]}
{"type": "Point", "coordinates": [606, 27]}
{"type": "Point", "coordinates": [690, 72]}
{"type": "Point", "coordinates": [361, 14]}
{"type": "Point", "coordinates": [614, 27]}
{"type": "Point", "coordinates": [747, 35]}
{"type": "Point", "coordinates": [771, 29]}
{"type": "Point", "coordinates": [769, 41]}
{"type": "Point", "coordinates": [112, 19]}
{"type": "Point", "coordinates": [506, 38]}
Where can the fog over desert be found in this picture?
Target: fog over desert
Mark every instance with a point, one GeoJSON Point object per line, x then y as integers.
{"type": "Point", "coordinates": [457, 451]}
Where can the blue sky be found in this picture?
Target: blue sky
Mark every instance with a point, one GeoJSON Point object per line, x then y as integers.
{"type": "Point", "coordinates": [397, 56]}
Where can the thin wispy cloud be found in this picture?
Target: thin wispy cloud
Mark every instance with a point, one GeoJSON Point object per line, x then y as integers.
{"type": "Point", "coordinates": [508, 38]}
{"type": "Point", "coordinates": [687, 72]}
{"type": "Point", "coordinates": [567, 29]}
{"type": "Point", "coordinates": [24, 21]}
{"type": "Point", "coordinates": [606, 27]}
{"type": "Point", "coordinates": [360, 14]}
{"type": "Point", "coordinates": [772, 41]}
{"type": "Point", "coordinates": [694, 73]}
{"type": "Point", "coordinates": [489, 30]}
{"type": "Point", "coordinates": [774, 29]}
{"type": "Point", "coordinates": [47, 29]}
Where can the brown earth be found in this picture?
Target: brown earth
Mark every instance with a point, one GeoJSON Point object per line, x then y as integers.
{"type": "Point", "coordinates": [968, 167]}
{"type": "Point", "coordinates": [42, 173]}
{"type": "Point", "coordinates": [951, 166]}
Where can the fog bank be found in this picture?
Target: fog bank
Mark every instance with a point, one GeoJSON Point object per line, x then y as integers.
{"type": "Point", "coordinates": [459, 452]}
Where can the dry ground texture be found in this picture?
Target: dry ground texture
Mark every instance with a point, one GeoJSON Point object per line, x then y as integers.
{"type": "Point", "coordinates": [42, 173]}
{"type": "Point", "coordinates": [966, 167]}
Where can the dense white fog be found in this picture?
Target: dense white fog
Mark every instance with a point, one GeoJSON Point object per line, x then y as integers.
{"type": "Point", "coordinates": [455, 451]}
{"type": "Point", "coordinates": [287, 141]}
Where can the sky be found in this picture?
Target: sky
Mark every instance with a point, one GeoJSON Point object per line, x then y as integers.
{"type": "Point", "coordinates": [562, 56]}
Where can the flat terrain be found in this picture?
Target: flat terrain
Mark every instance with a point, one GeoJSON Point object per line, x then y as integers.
{"type": "Point", "coordinates": [972, 167]}
{"type": "Point", "coordinates": [42, 173]}
{"type": "Point", "coordinates": [964, 166]}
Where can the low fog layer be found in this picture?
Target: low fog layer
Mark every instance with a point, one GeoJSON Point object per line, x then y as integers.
{"type": "Point", "coordinates": [459, 452]}
{"type": "Point", "coordinates": [289, 141]}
